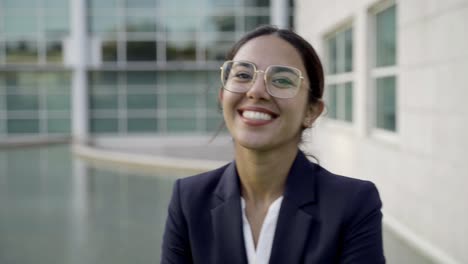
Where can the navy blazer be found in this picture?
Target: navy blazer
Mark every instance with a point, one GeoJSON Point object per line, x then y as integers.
{"type": "Point", "coordinates": [324, 218]}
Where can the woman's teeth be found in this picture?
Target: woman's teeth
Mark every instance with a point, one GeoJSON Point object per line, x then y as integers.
{"type": "Point", "coordinates": [256, 115]}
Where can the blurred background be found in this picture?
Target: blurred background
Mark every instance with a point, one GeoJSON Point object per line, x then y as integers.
{"type": "Point", "coordinates": [104, 103]}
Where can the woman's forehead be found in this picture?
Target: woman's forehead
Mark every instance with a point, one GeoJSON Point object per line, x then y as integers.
{"type": "Point", "coordinates": [269, 50]}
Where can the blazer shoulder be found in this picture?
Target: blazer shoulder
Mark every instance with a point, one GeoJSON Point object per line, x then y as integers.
{"type": "Point", "coordinates": [198, 189]}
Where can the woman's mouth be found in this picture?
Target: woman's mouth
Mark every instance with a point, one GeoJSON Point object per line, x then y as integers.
{"type": "Point", "coordinates": [253, 115]}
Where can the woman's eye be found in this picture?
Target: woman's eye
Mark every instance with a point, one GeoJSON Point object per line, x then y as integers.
{"type": "Point", "coordinates": [282, 82]}
{"type": "Point", "coordinates": [243, 76]}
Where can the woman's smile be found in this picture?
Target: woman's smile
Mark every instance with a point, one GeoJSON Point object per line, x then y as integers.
{"type": "Point", "coordinates": [256, 116]}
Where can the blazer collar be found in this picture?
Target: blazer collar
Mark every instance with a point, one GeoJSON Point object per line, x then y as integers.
{"type": "Point", "coordinates": [293, 226]}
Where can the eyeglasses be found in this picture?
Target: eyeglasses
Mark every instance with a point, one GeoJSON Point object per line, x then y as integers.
{"type": "Point", "coordinates": [280, 81]}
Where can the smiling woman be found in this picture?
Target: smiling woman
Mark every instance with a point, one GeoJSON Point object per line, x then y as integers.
{"type": "Point", "coordinates": [271, 204]}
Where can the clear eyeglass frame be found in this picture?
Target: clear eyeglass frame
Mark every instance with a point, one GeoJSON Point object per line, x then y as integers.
{"type": "Point", "coordinates": [287, 93]}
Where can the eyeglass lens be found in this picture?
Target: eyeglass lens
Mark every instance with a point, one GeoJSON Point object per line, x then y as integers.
{"type": "Point", "coordinates": [280, 81]}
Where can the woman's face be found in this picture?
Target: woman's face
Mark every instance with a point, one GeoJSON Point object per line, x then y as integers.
{"type": "Point", "coordinates": [257, 120]}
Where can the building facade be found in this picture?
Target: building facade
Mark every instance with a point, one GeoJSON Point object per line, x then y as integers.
{"type": "Point", "coordinates": [91, 68]}
{"type": "Point", "coordinates": [396, 82]}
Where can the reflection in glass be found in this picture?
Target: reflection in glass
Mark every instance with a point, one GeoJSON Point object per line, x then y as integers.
{"type": "Point", "coordinates": [181, 124]}
{"type": "Point", "coordinates": [20, 4]}
{"type": "Point", "coordinates": [252, 22]}
{"type": "Point", "coordinates": [386, 37]}
{"type": "Point", "coordinates": [217, 51]}
{"type": "Point", "coordinates": [259, 3]}
{"type": "Point", "coordinates": [332, 101]}
{"type": "Point", "coordinates": [19, 126]}
{"type": "Point", "coordinates": [21, 52]}
{"type": "Point", "coordinates": [103, 78]}
{"type": "Point", "coordinates": [58, 102]}
{"type": "Point", "coordinates": [386, 103]}
{"type": "Point", "coordinates": [181, 24]}
{"type": "Point", "coordinates": [225, 23]}
{"type": "Point", "coordinates": [142, 101]}
{"type": "Point", "coordinates": [181, 50]}
{"type": "Point", "coordinates": [22, 102]}
{"type": "Point", "coordinates": [20, 25]}
{"type": "Point", "coordinates": [348, 38]}
{"type": "Point", "coordinates": [141, 50]}
{"type": "Point", "coordinates": [332, 55]}
{"type": "Point", "coordinates": [141, 79]}
{"type": "Point", "coordinates": [93, 4]}
{"type": "Point", "coordinates": [103, 125]}
{"type": "Point", "coordinates": [142, 125]}
{"type": "Point", "coordinates": [140, 3]}
{"type": "Point", "coordinates": [56, 26]}
{"type": "Point", "coordinates": [348, 94]}
{"type": "Point", "coordinates": [140, 22]}
{"type": "Point", "coordinates": [109, 51]}
{"type": "Point", "coordinates": [103, 101]}
{"type": "Point", "coordinates": [58, 125]}
{"type": "Point", "coordinates": [182, 101]}
{"type": "Point", "coordinates": [56, 4]}
{"type": "Point", "coordinates": [54, 51]}
{"type": "Point", "coordinates": [103, 24]}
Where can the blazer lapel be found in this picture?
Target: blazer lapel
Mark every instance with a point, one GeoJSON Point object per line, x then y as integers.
{"type": "Point", "coordinates": [295, 221]}
{"type": "Point", "coordinates": [227, 220]}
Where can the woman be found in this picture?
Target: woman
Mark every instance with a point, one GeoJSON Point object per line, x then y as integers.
{"type": "Point", "coordinates": [272, 205]}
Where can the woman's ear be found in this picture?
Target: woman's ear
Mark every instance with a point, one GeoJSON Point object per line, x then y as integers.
{"type": "Point", "coordinates": [313, 111]}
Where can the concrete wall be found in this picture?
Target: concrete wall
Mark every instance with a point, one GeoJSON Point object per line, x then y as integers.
{"type": "Point", "coordinates": [422, 170]}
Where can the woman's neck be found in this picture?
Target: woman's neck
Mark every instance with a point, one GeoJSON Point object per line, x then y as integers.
{"type": "Point", "coordinates": [263, 173]}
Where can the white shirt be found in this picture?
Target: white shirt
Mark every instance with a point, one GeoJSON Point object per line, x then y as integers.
{"type": "Point", "coordinates": [265, 240]}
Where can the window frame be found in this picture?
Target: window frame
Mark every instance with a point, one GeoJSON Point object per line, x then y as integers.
{"type": "Point", "coordinates": [343, 77]}
{"type": "Point", "coordinates": [376, 72]}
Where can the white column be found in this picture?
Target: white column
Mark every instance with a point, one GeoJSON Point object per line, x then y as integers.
{"type": "Point", "coordinates": [78, 58]}
{"type": "Point", "coordinates": [279, 13]}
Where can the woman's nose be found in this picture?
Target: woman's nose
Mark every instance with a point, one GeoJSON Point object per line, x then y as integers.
{"type": "Point", "coordinates": [258, 90]}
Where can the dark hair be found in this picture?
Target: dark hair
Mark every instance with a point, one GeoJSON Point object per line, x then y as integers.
{"type": "Point", "coordinates": [309, 57]}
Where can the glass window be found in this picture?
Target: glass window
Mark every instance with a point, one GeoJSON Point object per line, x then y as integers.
{"type": "Point", "coordinates": [385, 58]}
{"type": "Point", "coordinates": [181, 101]}
{"type": "Point", "coordinates": [141, 50]}
{"type": "Point", "coordinates": [348, 94]}
{"type": "Point", "coordinates": [181, 50]}
{"type": "Point", "coordinates": [21, 52]}
{"type": "Point", "coordinates": [218, 50]}
{"type": "Point", "coordinates": [142, 101]}
{"type": "Point", "coordinates": [109, 51]}
{"type": "Point", "coordinates": [104, 125]}
{"type": "Point", "coordinates": [107, 78]}
{"type": "Point", "coordinates": [58, 125]}
{"type": "Point", "coordinates": [56, 25]}
{"type": "Point", "coordinates": [54, 51]}
{"type": "Point", "coordinates": [348, 57]}
{"type": "Point", "coordinates": [339, 66]}
{"type": "Point", "coordinates": [20, 25]}
{"type": "Point", "coordinates": [181, 124]}
{"type": "Point", "coordinates": [22, 102]}
{"type": "Point", "coordinates": [141, 79]}
{"type": "Point", "coordinates": [140, 3]}
{"type": "Point", "coordinates": [18, 126]}
{"type": "Point", "coordinates": [140, 22]}
{"type": "Point", "coordinates": [259, 3]}
{"type": "Point", "coordinates": [93, 4]}
{"type": "Point", "coordinates": [386, 103]}
{"type": "Point", "coordinates": [57, 4]}
{"type": "Point", "coordinates": [103, 23]}
{"type": "Point", "coordinates": [25, 4]}
{"type": "Point", "coordinates": [142, 125]}
{"type": "Point", "coordinates": [103, 101]}
{"type": "Point", "coordinates": [58, 102]}
{"type": "Point", "coordinates": [332, 101]}
{"type": "Point", "coordinates": [252, 22]}
{"type": "Point", "coordinates": [221, 23]}
{"type": "Point", "coordinates": [385, 37]}
{"type": "Point", "coordinates": [332, 55]}
{"type": "Point", "coordinates": [214, 123]}
{"type": "Point", "coordinates": [181, 24]}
